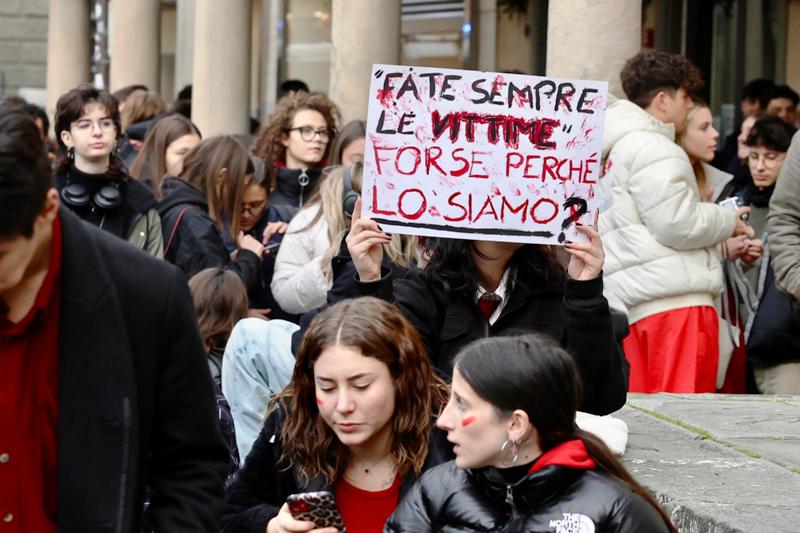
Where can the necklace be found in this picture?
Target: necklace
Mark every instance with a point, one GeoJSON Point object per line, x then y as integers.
{"type": "Point", "coordinates": [373, 464]}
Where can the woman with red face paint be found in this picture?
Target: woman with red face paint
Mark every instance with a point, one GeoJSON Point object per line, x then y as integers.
{"type": "Point", "coordinates": [521, 462]}
{"type": "Point", "coordinates": [356, 420]}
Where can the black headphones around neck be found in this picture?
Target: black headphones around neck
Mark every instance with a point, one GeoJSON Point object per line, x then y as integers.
{"type": "Point", "coordinates": [77, 195]}
{"type": "Point", "coordinates": [349, 195]}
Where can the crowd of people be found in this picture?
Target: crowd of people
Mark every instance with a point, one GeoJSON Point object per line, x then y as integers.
{"type": "Point", "coordinates": [395, 383]}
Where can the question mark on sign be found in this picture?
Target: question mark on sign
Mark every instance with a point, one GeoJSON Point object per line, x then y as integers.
{"type": "Point", "coordinates": [577, 207]}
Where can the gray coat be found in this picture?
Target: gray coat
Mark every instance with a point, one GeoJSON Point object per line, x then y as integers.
{"type": "Point", "coordinates": [784, 223]}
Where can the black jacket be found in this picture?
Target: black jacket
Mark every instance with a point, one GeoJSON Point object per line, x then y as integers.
{"type": "Point", "coordinates": [574, 313]}
{"type": "Point", "coordinates": [293, 188]}
{"type": "Point", "coordinates": [555, 498]}
{"type": "Point", "coordinates": [136, 402]}
{"type": "Point", "coordinates": [192, 240]}
{"type": "Point", "coordinates": [263, 484]}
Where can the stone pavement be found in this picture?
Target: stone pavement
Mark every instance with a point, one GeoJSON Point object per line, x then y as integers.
{"type": "Point", "coordinates": [718, 463]}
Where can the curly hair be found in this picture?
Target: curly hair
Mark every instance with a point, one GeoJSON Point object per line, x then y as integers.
{"type": "Point", "coordinates": [267, 144]}
{"type": "Point", "coordinates": [650, 72]}
{"type": "Point", "coordinates": [376, 329]}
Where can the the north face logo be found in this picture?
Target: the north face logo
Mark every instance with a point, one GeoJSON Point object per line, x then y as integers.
{"type": "Point", "coordinates": [573, 523]}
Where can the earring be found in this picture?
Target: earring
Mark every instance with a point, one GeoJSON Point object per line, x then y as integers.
{"type": "Point", "coordinates": [71, 153]}
{"type": "Point", "coordinates": [513, 444]}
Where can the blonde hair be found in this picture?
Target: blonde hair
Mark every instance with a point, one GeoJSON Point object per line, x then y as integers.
{"type": "Point", "coordinates": [402, 250]}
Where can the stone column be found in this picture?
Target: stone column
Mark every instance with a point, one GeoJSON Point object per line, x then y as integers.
{"type": "Point", "coordinates": [68, 48]}
{"type": "Point", "coordinates": [363, 32]}
{"type": "Point", "coordinates": [592, 39]}
{"type": "Point", "coordinates": [487, 34]}
{"type": "Point", "coordinates": [221, 74]}
{"type": "Point", "coordinates": [184, 43]}
{"type": "Point", "coordinates": [793, 45]}
{"type": "Point", "coordinates": [135, 43]}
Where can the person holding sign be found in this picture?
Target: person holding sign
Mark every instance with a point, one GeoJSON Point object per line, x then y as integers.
{"type": "Point", "coordinates": [474, 289]}
{"type": "Point", "coordinates": [660, 237]}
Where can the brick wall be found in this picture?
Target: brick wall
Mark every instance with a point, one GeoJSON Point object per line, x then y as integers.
{"type": "Point", "coordinates": [23, 45]}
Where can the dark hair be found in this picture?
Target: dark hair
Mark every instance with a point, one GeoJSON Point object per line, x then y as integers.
{"type": "Point", "coordinates": [37, 112]}
{"type": "Point", "coordinates": [772, 133]}
{"type": "Point", "coordinates": [185, 93]}
{"type": "Point", "coordinates": [757, 90]}
{"type": "Point", "coordinates": [70, 107]}
{"type": "Point", "coordinates": [352, 131]}
{"type": "Point", "coordinates": [376, 329]}
{"type": "Point", "coordinates": [534, 374]}
{"type": "Point", "coordinates": [650, 72]}
{"type": "Point", "coordinates": [782, 91]}
{"type": "Point", "coordinates": [150, 165]}
{"type": "Point", "coordinates": [24, 173]}
{"type": "Point", "coordinates": [123, 93]}
{"type": "Point", "coordinates": [452, 266]}
{"type": "Point", "coordinates": [201, 167]}
{"type": "Point", "coordinates": [292, 86]}
{"type": "Point", "coordinates": [220, 301]}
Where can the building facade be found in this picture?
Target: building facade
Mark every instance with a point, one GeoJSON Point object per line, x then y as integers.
{"type": "Point", "coordinates": [236, 52]}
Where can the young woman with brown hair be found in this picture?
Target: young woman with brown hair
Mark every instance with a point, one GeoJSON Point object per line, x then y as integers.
{"type": "Point", "coordinates": [294, 143]}
{"type": "Point", "coordinates": [90, 175]}
{"type": "Point", "coordinates": [165, 146]}
{"type": "Point", "coordinates": [197, 206]}
{"type": "Point", "coordinates": [220, 302]}
{"type": "Point", "coordinates": [521, 462]}
{"type": "Point", "coordinates": [356, 420]}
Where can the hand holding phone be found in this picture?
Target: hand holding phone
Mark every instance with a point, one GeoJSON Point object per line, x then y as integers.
{"type": "Point", "coordinates": [317, 507]}
{"type": "Point", "coordinates": [284, 522]}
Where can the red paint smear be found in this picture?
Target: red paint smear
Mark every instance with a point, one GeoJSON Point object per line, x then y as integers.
{"type": "Point", "coordinates": [319, 402]}
{"type": "Point", "coordinates": [390, 186]}
{"type": "Point", "coordinates": [517, 192]}
{"type": "Point", "coordinates": [498, 83]}
{"type": "Point", "coordinates": [385, 97]}
{"type": "Point", "coordinates": [467, 421]}
{"type": "Point", "coordinates": [432, 211]}
{"type": "Point", "coordinates": [587, 132]}
{"type": "Point", "coordinates": [572, 143]}
{"type": "Point", "coordinates": [496, 190]}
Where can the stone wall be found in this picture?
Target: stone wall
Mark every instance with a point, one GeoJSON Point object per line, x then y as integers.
{"type": "Point", "coordinates": [23, 45]}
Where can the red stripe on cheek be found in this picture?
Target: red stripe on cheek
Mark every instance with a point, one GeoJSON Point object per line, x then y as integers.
{"type": "Point", "coordinates": [467, 421]}
{"type": "Point", "coordinates": [319, 402]}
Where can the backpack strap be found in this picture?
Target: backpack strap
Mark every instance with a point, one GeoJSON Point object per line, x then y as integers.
{"type": "Point", "coordinates": [175, 228]}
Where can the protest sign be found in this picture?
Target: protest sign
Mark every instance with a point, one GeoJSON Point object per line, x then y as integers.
{"type": "Point", "coordinates": [481, 155]}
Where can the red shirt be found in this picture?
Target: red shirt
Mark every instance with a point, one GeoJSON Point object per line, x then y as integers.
{"type": "Point", "coordinates": [29, 407]}
{"type": "Point", "coordinates": [364, 511]}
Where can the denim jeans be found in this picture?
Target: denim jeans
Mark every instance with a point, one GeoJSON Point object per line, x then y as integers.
{"type": "Point", "coordinates": [258, 363]}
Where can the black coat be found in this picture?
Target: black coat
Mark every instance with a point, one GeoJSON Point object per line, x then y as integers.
{"type": "Point", "coordinates": [553, 499]}
{"type": "Point", "coordinates": [574, 313]}
{"type": "Point", "coordinates": [290, 193]}
{"type": "Point", "coordinates": [192, 240]}
{"type": "Point", "coordinates": [135, 399]}
{"type": "Point", "coordinates": [262, 485]}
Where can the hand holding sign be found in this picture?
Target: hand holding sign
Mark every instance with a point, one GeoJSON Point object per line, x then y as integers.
{"type": "Point", "coordinates": [365, 243]}
{"type": "Point", "coordinates": [587, 257]}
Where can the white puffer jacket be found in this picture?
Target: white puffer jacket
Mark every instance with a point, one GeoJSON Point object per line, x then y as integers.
{"type": "Point", "coordinates": [658, 236]}
{"type": "Point", "coordinates": [299, 284]}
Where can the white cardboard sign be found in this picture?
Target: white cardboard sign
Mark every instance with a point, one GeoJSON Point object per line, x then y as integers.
{"type": "Point", "coordinates": [482, 155]}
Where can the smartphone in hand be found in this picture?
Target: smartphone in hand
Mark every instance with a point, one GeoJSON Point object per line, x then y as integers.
{"type": "Point", "coordinates": [318, 507]}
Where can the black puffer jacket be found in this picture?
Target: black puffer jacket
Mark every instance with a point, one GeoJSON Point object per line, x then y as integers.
{"type": "Point", "coordinates": [262, 484]}
{"type": "Point", "coordinates": [192, 240]}
{"type": "Point", "coordinates": [293, 188]}
{"type": "Point", "coordinates": [558, 497]}
{"type": "Point", "coordinates": [574, 313]}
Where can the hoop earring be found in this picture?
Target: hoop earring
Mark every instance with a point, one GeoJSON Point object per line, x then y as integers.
{"type": "Point", "coordinates": [513, 445]}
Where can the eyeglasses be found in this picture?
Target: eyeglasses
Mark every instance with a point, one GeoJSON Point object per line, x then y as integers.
{"type": "Point", "coordinates": [308, 133]}
{"type": "Point", "coordinates": [770, 158]}
{"type": "Point", "coordinates": [253, 209]}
